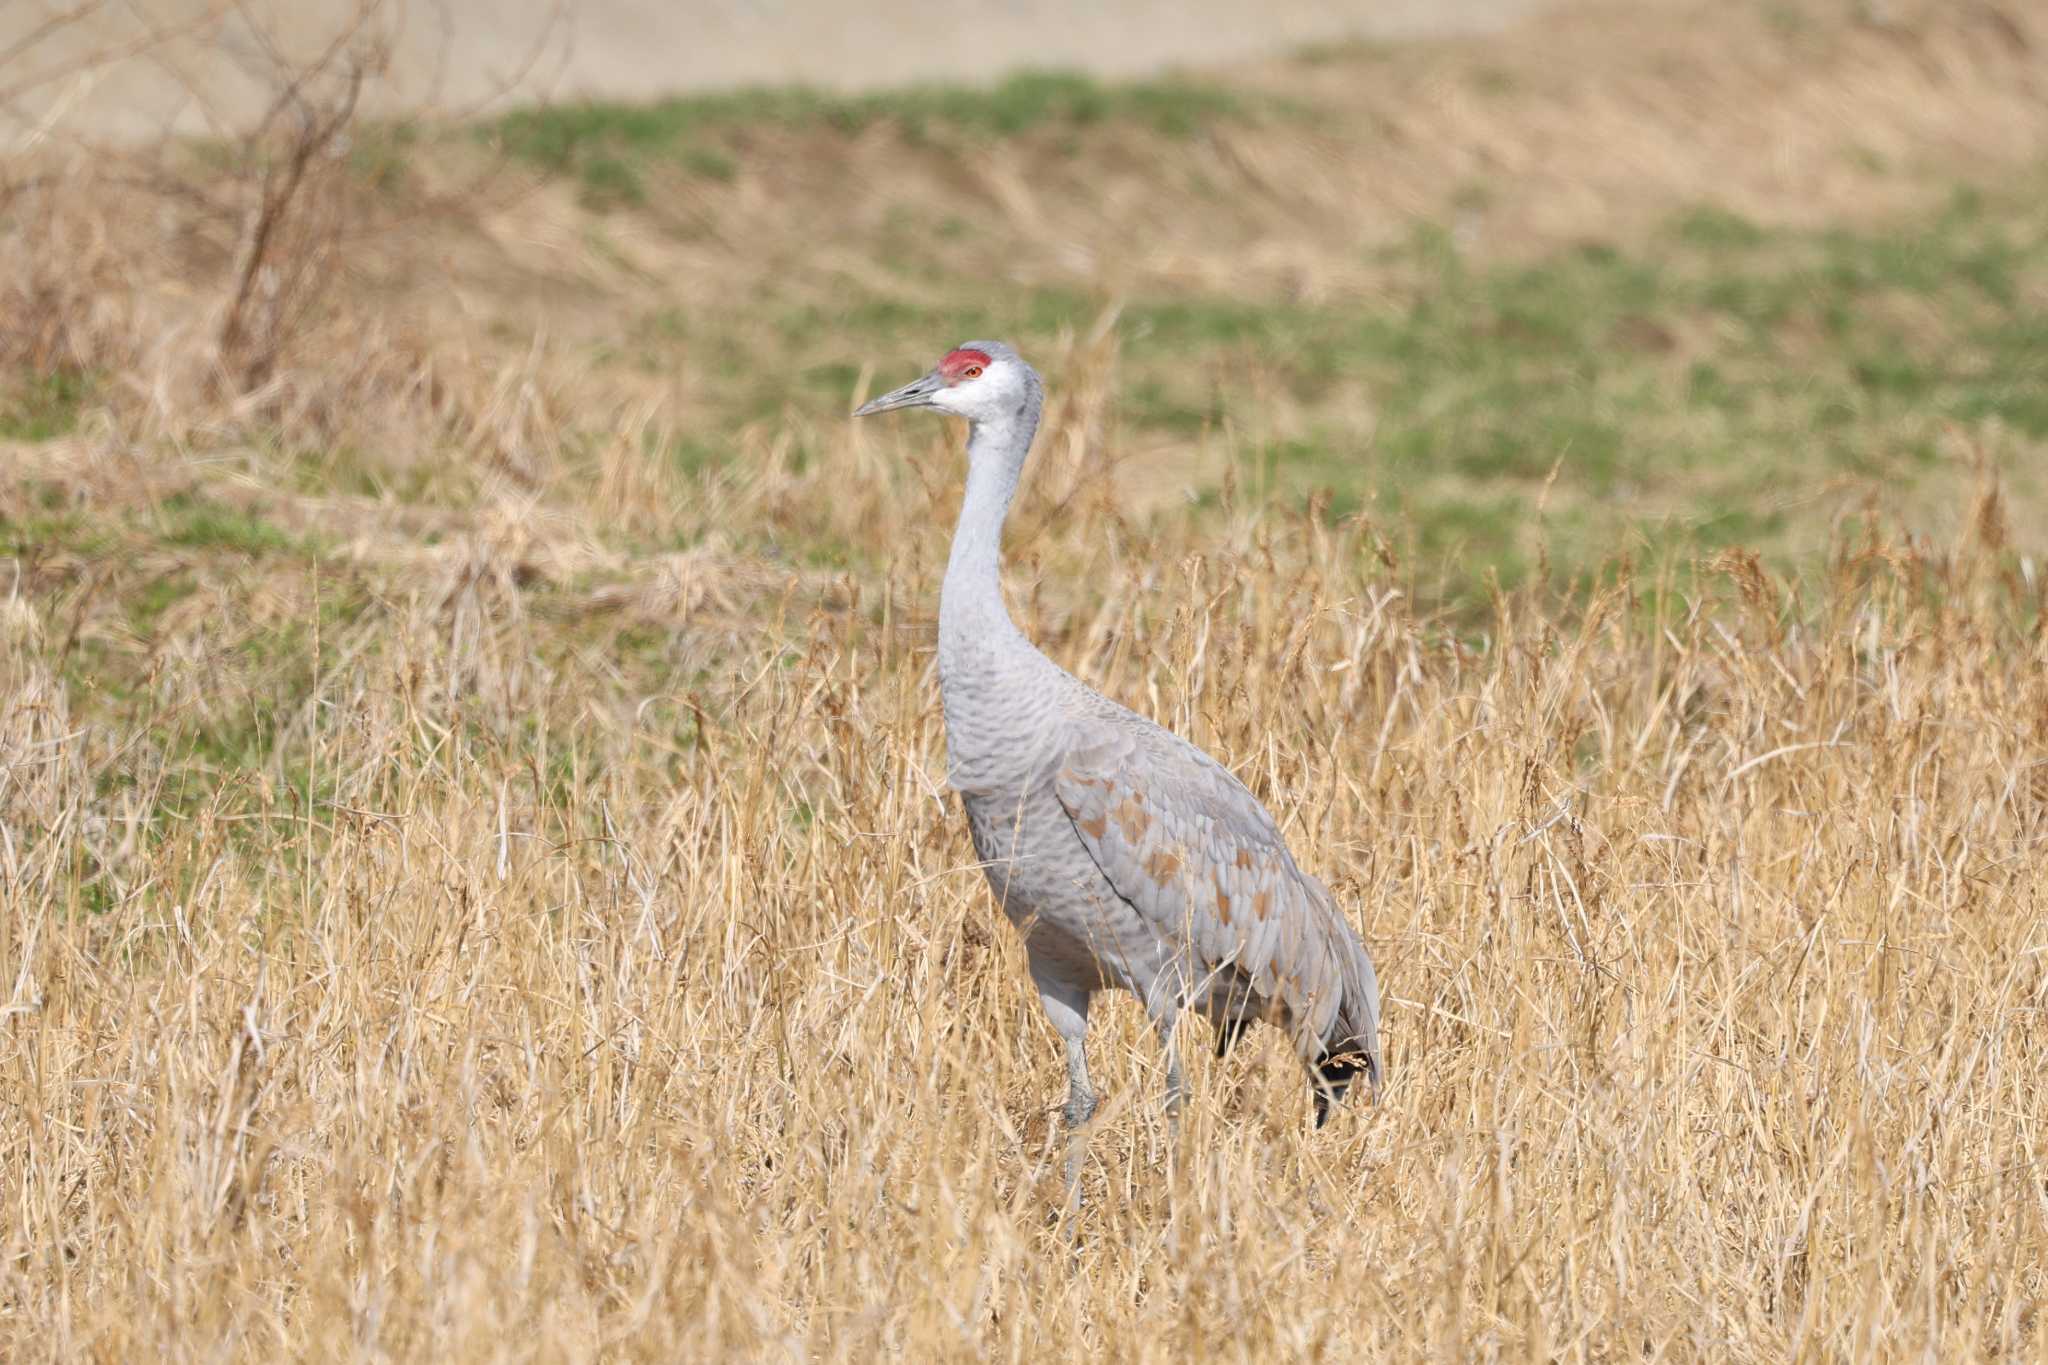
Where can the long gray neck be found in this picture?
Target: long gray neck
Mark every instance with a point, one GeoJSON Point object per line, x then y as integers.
{"type": "Point", "coordinates": [972, 616]}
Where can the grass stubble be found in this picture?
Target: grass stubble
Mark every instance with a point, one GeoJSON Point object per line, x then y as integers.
{"type": "Point", "coordinates": [471, 890]}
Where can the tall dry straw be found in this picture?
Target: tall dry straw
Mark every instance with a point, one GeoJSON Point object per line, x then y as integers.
{"type": "Point", "coordinates": [613, 981]}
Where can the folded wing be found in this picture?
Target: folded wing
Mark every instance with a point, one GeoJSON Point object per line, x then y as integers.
{"type": "Point", "coordinates": [1192, 850]}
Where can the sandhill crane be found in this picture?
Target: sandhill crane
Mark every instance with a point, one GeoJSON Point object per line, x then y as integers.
{"type": "Point", "coordinates": [1126, 857]}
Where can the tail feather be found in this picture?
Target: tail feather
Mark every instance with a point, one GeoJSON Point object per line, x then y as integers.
{"type": "Point", "coordinates": [1229, 1029]}
{"type": "Point", "coordinates": [1333, 1077]}
{"type": "Point", "coordinates": [1353, 1046]}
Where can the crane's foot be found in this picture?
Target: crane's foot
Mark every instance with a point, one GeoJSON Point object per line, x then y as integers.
{"type": "Point", "coordinates": [1079, 1110]}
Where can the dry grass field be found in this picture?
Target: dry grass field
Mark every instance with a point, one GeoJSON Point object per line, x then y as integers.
{"type": "Point", "coordinates": [474, 877]}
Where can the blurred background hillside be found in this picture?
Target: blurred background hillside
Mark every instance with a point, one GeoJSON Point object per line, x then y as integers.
{"type": "Point", "coordinates": [199, 65]}
{"type": "Point", "coordinates": [1638, 280]}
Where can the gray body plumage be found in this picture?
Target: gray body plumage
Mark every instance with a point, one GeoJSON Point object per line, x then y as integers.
{"type": "Point", "coordinates": [1127, 858]}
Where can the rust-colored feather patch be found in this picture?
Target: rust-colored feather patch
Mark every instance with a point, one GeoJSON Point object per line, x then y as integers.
{"type": "Point", "coordinates": [1161, 865]}
{"type": "Point", "coordinates": [1131, 818]}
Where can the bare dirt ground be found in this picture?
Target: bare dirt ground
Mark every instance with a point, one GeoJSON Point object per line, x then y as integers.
{"type": "Point", "coordinates": [98, 67]}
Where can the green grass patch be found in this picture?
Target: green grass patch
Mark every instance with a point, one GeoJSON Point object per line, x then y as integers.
{"type": "Point", "coordinates": [380, 153]}
{"type": "Point", "coordinates": [197, 523]}
{"type": "Point", "coordinates": [34, 534]}
{"type": "Point", "coordinates": [612, 146]}
{"type": "Point", "coordinates": [1717, 383]}
{"type": "Point", "coordinates": [1667, 399]}
{"type": "Point", "coordinates": [42, 407]}
{"type": "Point", "coordinates": [611, 182]}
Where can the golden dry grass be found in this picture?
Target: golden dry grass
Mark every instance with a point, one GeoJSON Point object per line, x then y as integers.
{"type": "Point", "coordinates": [472, 890]}
{"type": "Point", "coordinates": [643, 1007]}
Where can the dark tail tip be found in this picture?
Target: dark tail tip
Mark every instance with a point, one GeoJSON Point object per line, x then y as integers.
{"type": "Point", "coordinates": [1229, 1031]}
{"type": "Point", "coordinates": [1333, 1077]}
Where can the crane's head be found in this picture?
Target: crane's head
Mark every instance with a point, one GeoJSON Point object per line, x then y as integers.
{"type": "Point", "coordinates": [983, 381]}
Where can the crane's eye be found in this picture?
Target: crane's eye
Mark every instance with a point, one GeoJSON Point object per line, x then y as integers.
{"type": "Point", "coordinates": [971, 372]}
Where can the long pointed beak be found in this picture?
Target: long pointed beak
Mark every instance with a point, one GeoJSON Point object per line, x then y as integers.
{"type": "Point", "coordinates": [916, 394]}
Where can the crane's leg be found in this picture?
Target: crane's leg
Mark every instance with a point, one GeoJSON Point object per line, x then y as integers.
{"type": "Point", "coordinates": [1176, 1083]}
{"type": "Point", "coordinates": [1163, 1001]}
{"type": "Point", "coordinates": [1066, 1005]}
{"type": "Point", "coordinates": [1166, 1019]}
{"type": "Point", "coordinates": [1080, 1109]}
